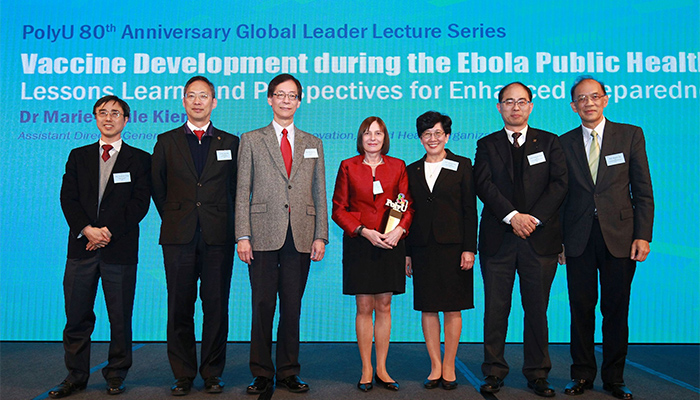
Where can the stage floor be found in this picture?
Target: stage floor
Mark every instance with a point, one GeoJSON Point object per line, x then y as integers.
{"type": "Point", "coordinates": [29, 369]}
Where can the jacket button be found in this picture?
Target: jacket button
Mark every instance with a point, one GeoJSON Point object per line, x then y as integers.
{"type": "Point", "coordinates": [199, 204]}
{"type": "Point", "coordinates": [286, 206]}
{"type": "Point", "coordinates": [289, 187]}
{"type": "Point", "coordinates": [199, 184]}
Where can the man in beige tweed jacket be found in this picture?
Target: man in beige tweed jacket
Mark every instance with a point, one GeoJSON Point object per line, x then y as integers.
{"type": "Point", "coordinates": [281, 226]}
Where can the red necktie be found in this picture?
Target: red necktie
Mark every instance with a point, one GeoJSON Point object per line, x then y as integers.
{"type": "Point", "coordinates": [286, 152]}
{"type": "Point", "coordinates": [199, 134]}
{"type": "Point", "coordinates": [105, 153]}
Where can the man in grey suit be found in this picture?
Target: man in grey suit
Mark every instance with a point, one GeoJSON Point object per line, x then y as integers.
{"type": "Point", "coordinates": [281, 225]}
{"type": "Point", "coordinates": [607, 220]}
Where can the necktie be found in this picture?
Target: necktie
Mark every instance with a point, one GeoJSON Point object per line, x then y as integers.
{"type": "Point", "coordinates": [199, 134]}
{"type": "Point", "coordinates": [594, 155]}
{"type": "Point", "coordinates": [286, 152]}
{"type": "Point", "coordinates": [105, 154]}
{"type": "Point", "coordinates": [516, 135]}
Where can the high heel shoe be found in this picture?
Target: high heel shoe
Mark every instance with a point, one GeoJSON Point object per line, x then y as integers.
{"type": "Point", "coordinates": [394, 386]}
{"type": "Point", "coordinates": [449, 385]}
{"type": "Point", "coordinates": [431, 383]}
{"type": "Point", "coordinates": [365, 387]}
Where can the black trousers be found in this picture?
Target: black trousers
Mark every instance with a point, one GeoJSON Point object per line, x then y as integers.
{"type": "Point", "coordinates": [184, 266]}
{"type": "Point", "coordinates": [283, 272]}
{"type": "Point", "coordinates": [536, 274]}
{"type": "Point", "coordinates": [615, 285]}
{"type": "Point", "coordinates": [80, 288]}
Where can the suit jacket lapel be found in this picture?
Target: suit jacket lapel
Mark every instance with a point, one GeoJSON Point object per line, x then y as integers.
{"type": "Point", "coordinates": [300, 144]}
{"type": "Point", "coordinates": [92, 159]}
{"type": "Point", "coordinates": [443, 174]}
{"type": "Point", "coordinates": [184, 148]}
{"type": "Point", "coordinates": [578, 149]}
{"type": "Point", "coordinates": [214, 145]}
{"type": "Point", "coordinates": [531, 144]}
{"type": "Point", "coordinates": [121, 165]}
{"type": "Point", "coordinates": [606, 149]}
{"type": "Point", "coordinates": [421, 175]}
{"type": "Point", "coordinates": [503, 148]}
{"type": "Point", "coordinates": [273, 147]}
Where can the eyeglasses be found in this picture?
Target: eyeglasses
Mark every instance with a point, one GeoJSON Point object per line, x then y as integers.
{"type": "Point", "coordinates": [437, 135]}
{"type": "Point", "coordinates": [283, 95]}
{"type": "Point", "coordinates": [201, 96]}
{"type": "Point", "coordinates": [509, 103]}
{"type": "Point", "coordinates": [105, 113]}
{"type": "Point", "coordinates": [583, 99]}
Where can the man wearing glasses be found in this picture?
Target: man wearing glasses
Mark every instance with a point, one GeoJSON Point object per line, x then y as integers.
{"type": "Point", "coordinates": [194, 188]}
{"type": "Point", "coordinates": [607, 221]}
{"type": "Point", "coordinates": [521, 178]}
{"type": "Point", "coordinates": [281, 226]}
{"type": "Point", "coordinates": [104, 195]}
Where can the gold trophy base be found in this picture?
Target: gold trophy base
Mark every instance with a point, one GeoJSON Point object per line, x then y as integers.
{"type": "Point", "coordinates": [393, 221]}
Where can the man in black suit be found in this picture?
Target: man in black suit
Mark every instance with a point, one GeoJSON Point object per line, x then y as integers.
{"type": "Point", "coordinates": [607, 221]}
{"type": "Point", "coordinates": [104, 195]}
{"type": "Point", "coordinates": [521, 178]}
{"type": "Point", "coordinates": [194, 187]}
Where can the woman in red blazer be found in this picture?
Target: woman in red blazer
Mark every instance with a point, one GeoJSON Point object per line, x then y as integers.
{"type": "Point", "coordinates": [373, 261]}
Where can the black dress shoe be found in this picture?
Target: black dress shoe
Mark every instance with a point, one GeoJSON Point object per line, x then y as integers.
{"type": "Point", "coordinates": [541, 387]}
{"type": "Point", "coordinates": [492, 384]}
{"type": "Point", "coordinates": [214, 384]}
{"type": "Point", "coordinates": [259, 385]}
{"type": "Point", "coordinates": [431, 383]}
{"type": "Point", "coordinates": [181, 387]}
{"type": "Point", "coordinates": [449, 385]}
{"type": "Point", "coordinates": [66, 388]}
{"type": "Point", "coordinates": [115, 385]}
{"type": "Point", "coordinates": [393, 386]}
{"type": "Point", "coordinates": [294, 384]}
{"type": "Point", "coordinates": [618, 390]}
{"type": "Point", "coordinates": [365, 387]}
{"type": "Point", "coordinates": [577, 386]}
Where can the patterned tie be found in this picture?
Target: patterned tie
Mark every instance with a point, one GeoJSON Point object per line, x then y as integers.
{"type": "Point", "coordinates": [516, 135]}
{"type": "Point", "coordinates": [105, 153]}
{"type": "Point", "coordinates": [199, 134]}
{"type": "Point", "coordinates": [594, 156]}
{"type": "Point", "coordinates": [286, 152]}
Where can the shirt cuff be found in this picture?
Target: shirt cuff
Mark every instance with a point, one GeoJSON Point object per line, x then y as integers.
{"type": "Point", "coordinates": [509, 216]}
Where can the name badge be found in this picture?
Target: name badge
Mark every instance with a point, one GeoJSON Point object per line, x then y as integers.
{"type": "Point", "coordinates": [614, 159]}
{"type": "Point", "coordinates": [450, 164]}
{"type": "Point", "coordinates": [310, 153]}
{"type": "Point", "coordinates": [223, 155]}
{"type": "Point", "coordinates": [536, 158]}
{"type": "Point", "coordinates": [122, 177]}
{"type": "Point", "coordinates": [377, 188]}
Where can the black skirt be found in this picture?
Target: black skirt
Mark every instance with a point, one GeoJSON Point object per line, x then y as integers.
{"type": "Point", "coordinates": [439, 284]}
{"type": "Point", "coordinates": [370, 270]}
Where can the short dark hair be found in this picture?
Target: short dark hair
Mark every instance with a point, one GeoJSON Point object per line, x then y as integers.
{"type": "Point", "coordinates": [527, 89]}
{"type": "Point", "coordinates": [110, 98]}
{"type": "Point", "coordinates": [281, 79]}
{"type": "Point", "coordinates": [582, 78]}
{"type": "Point", "coordinates": [429, 119]}
{"type": "Point", "coordinates": [202, 79]}
{"type": "Point", "coordinates": [364, 126]}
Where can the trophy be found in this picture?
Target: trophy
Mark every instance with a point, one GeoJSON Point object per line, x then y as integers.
{"type": "Point", "coordinates": [398, 207]}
